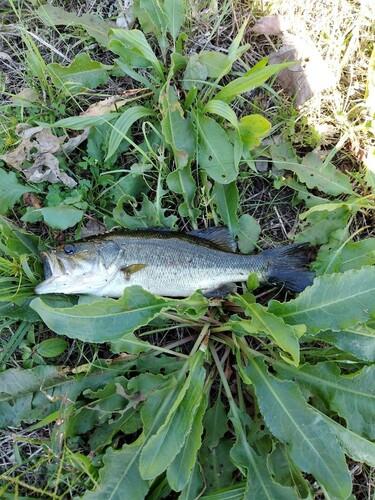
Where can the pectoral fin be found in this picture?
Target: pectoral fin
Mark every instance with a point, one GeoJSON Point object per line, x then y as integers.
{"type": "Point", "coordinates": [221, 291]}
{"type": "Point", "coordinates": [131, 269]}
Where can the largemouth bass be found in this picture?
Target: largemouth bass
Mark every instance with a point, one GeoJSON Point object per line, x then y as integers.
{"type": "Point", "coordinates": [167, 263]}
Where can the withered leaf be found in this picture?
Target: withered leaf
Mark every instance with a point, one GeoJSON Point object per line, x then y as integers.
{"type": "Point", "coordinates": [46, 168]}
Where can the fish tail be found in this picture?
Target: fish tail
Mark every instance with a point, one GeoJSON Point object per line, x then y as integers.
{"type": "Point", "coordinates": [286, 266]}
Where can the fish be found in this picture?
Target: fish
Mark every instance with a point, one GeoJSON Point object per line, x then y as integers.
{"type": "Point", "coordinates": [168, 263]}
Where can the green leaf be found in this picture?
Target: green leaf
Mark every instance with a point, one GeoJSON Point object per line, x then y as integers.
{"type": "Point", "coordinates": [222, 109]}
{"type": "Point", "coordinates": [248, 234]}
{"type": "Point", "coordinates": [310, 443]}
{"type": "Point", "coordinates": [352, 397]}
{"type": "Point", "coordinates": [81, 122]}
{"type": "Point", "coordinates": [119, 477]}
{"type": "Point", "coordinates": [94, 25]}
{"type": "Point", "coordinates": [195, 73]}
{"type": "Point", "coordinates": [81, 74]}
{"type": "Point", "coordinates": [180, 470]}
{"type": "Point", "coordinates": [11, 190]}
{"type": "Point", "coordinates": [216, 63]}
{"type": "Point", "coordinates": [123, 124]}
{"type": "Point", "coordinates": [182, 182]}
{"type": "Point", "coordinates": [175, 12]}
{"type": "Point", "coordinates": [135, 41]}
{"type": "Point", "coordinates": [358, 254]}
{"type": "Point", "coordinates": [259, 481]}
{"type": "Point", "coordinates": [225, 197]}
{"type": "Point", "coordinates": [334, 302]}
{"type": "Point", "coordinates": [216, 154]}
{"type": "Point", "coordinates": [358, 341]}
{"type": "Point", "coordinates": [152, 17]}
{"type": "Point", "coordinates": [60, 217]}
{"type": "Point", "coordinates": [216, 468]}
{"type": "Point", "coordinates": [252, 129]}
{"type": "Point", "coordinates": [262, 321]}
{"type": "Point", "coordinates": [319, 226]}
{"type": "Point", "coordinates": [216, 423]}
{"type": "Point", "coordinates": [249, 82]}
{"type": "Point", "coordinates": [178, 131]}
{"type": "Point", "coordinates": [313, 172]}
{"type": "Point", "coordinates": [162, 448]}
{"type": "Point", "coordinates": [194, 486]}
{"type": "Point", "coordinates": [51, 348]}
{"type": "Point", "coordinates": [105, 319]}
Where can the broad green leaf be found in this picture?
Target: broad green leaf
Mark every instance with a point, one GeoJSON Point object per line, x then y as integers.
{"type": "Point", "coordinates": [182, 182]}
{"type": "Point", "coordinates": [223, 110]}
{"type": "Point", "coordinates": [94, 25]}
{"type": "Point", "coordinates": [352, 396]}
{"type": "Point", "coordinates": [249, 82]}
{"type": "Point", "coordinates": [195, 73]}
{"type": "Point", "coordinates": [162, 448]}
{"type": "Point", "coordinates": [148, 215]}
{"type": "Point", "coordinates": [194, 486]}
{"type": "Point", "coordinates": [180, 470]}
{"type": "Point", "coordinates": [313, 172]}
{"type": "Point", "coordinates": [216, 154]}
{"type": "Point", "coordinates": [136, 41]}
{"type": "Point", "coordinates": [262, 321]}
{"type": "Point", "coordinates": [235, 492]}
{"type": "Point", "coordinates": [119, 478]}
{"type": "Point", "coordinates": [225, 197]}
{"type": "Point", "coordinates": [215, 423]}
{"type": "Point", "coordinates": [11, 190]}
{"type": "Point", "coordinates": [175, 12]}
{"type": "Point", "coordinates": [248, 234]}
{"type": "Point", "coordinates": [319, 226]}
{"type": "Point", "coordinates": [178, 131]}
{"type": "Point", "coordinates": [216, 63]}
{"type": "Point", "coordinates": [83, 73]}
{"type": "Point", "coordinates": [355, 446]}
{"type": "Point", "coordinates": [81, 122]}
{"type": "Point", "coordinates": [59, 217]}
{"type": "Point", "coordinates": [310, 443]}
{"type": "Point", "coordinates": [152, 16]}
{"type": "Point", "coordinates": [50, 348]}
{"type": "Point", "coordinates": [123, 124]}
{"type": "Point", "coordinates": [252, 129]}
{"type": "Point", "coordinates": [301, 192]}
{"type": "Point", "coordinates": [334, 302]}
{"type": "Point", "coordinates": [260, 484]}
{"type": "Point", "coordinates": [105, 319]}
{"type": "Point", "coordinates": [359, 341]}
{"type": "Point", "coordinates": [216, 468]}
{"type": "Point", "coordinates": [358, 254]}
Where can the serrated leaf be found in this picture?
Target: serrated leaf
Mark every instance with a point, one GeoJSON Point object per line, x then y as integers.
{"type": "Point", "coordinates": [50, 348]}
{"type": "Point", "coordinates": [334, 302]}
{"type": "Point", "coordinates": [350, 396]}
{"type": "Point", "coordinates": [175, 12]}
{"type": "Point", "coordinates": [319, 226]}
{"type": "Point", "coordinates": [249, 81]}
{"type": "Point", "coordinates": [252, 129]}
{"type": "Point", "coordinates": [260, 484]}
{"type": "Point", "coordinates": [359, 341]}
{"type": "Point", "coordinates": [94, 25]}
{"type": "Point", "coordinates": [180, 470]}
{"type": "Point", "coordinates": [11, 190]}
{"type": "Point", "coordinates": [82, 73]}
{"type": "Point", "coordinates": [119, 477]}
{"type": "Point", "coordinates": [309, 441]}
{"type": "Point", "coordinates": [216, 154]}
{"type": "Point", "coordinates": [105, 319]}
{"type": "Point", "coordinates": [123, 124]}
{"type": "Point", "coordinates": [162, 448]}
{"type": "Point", "coordinates": [313, 172]}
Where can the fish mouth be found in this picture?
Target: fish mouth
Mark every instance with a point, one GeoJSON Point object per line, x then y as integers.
{"type": "Point", "coordinates": [53, 269]}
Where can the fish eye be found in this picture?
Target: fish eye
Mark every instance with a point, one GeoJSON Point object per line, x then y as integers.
{"type": "Point", "coordinates": [69, 249]}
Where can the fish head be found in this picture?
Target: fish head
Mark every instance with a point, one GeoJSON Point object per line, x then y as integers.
{"type": "Point", "coordinates": [80, 267]}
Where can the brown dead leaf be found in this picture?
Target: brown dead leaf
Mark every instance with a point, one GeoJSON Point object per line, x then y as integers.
{"type": "Point", "coordinates": [112, 103]}
{"type": "Point", "coordinates": [27, 97]}
{"type": "Point", "coordinates": [310, 75]}
{"type": "Point", "coordinates": [31, 200]}
{"type": "Point", "coordinates": [73, 143]}
{"type": "Point", "coordinates": [46, 169]}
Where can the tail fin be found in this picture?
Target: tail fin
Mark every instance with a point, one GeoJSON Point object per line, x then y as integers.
{"type": "Point", "coordinates": [286, 267]}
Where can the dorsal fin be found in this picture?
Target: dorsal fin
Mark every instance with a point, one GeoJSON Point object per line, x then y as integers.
{"type": "Point", "coordinates": [219, 236]}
